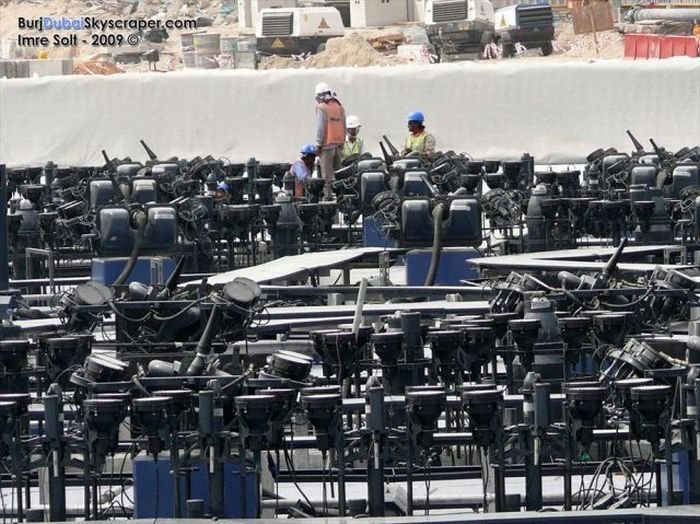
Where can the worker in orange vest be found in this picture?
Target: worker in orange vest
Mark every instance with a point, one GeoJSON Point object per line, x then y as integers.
{"type": "Point", "coordinates": [330, 134]}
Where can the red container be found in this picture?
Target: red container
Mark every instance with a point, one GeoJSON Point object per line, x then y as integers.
{"type": "Point", "coordinates": [642, 47]}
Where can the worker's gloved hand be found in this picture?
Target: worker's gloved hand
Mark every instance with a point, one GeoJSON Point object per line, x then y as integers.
{"type": "Point", "coordinates": [318, 150]}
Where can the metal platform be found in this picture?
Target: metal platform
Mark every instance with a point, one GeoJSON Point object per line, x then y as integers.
{"type": "Point", "coordinates": [582, 259]}
{"type": "Point", "coordinates": [292, 267]}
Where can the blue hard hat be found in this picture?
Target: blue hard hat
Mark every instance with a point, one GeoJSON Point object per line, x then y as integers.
{"type": "Point", "coordinates": [416, 116]}
{"type": "Point", "coordinates": [222, 185]}
{"type": "Point", "coordinates": [308, 149]}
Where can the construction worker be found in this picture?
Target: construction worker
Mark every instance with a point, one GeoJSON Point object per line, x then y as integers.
{"type": "Point", "coordinates": [418, 139]}
{"type": "Point", "coordinates": [330, 134]}
{"type": "Point", "coordinates": [353, 144]}
{"type": "Point", "coordinates": [303, 168]}
{"type": "Point", "coordinates": [222, 192]}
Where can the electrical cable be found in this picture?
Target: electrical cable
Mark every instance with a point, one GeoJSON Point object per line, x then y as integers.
{"type": "Point", "coordinates": [141, 222]}
{"type": "Point", "coordinates": [290, 466]}
{"type": "Point", "coordinates": [436, 253]}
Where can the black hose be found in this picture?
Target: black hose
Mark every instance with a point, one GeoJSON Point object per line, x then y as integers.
{"type": "Point", "coordinates": [204, 345]}
{"type": "Point", "coordinates": [141, 221]}
{"type": "Point", "coordinates": [437, 244]}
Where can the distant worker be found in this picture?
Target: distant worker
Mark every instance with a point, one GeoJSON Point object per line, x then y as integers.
{"type": "Point", "coordinates": [330, 134]}
{"type": "Point", "coordinates": [353, 144]}
{"type": "Point", "coordinates": [222, 192]}
{"type": "Point", "coordinates": [303, 168]}
{"type": "Point", "coordinates": [418, 140]}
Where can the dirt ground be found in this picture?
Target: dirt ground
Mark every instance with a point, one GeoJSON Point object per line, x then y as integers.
{"type": "Point", "coordinates": [353, 50]}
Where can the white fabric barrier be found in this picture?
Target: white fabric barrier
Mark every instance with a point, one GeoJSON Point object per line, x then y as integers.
{"type": "Point", "coordinates": [557, 111]}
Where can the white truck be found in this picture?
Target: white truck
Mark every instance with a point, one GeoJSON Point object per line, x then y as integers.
{"type": "Point", "coordinates": [289, 31]}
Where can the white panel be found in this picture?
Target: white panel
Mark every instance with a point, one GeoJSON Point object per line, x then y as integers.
{"type": "Point", "coordinates": [257, 5]}
{"type": "Point", "coordinates": [416, 10]}
{"type": "Point", "coordinates": [245, 20]}
{"type": "Point", "coordinates": [557, 111]}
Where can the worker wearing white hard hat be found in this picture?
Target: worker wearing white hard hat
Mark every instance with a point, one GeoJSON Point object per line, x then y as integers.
{"type": "Point", "coordinates": [353, 144]}
{"type": "Point", "coordinates": [330, 133]}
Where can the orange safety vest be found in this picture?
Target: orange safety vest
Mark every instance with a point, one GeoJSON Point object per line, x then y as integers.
{"type": "Point", "coordinates": [335, 123]}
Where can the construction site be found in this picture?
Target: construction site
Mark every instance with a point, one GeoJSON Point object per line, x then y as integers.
{"type": "Point", "coordinates": [401, 261]}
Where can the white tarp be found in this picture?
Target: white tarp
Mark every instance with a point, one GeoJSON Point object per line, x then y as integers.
{"type": "Point", "coordinates": [557, 111]}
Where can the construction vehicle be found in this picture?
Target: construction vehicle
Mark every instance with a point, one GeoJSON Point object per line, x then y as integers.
{"type": "Point", "coordinates": [458, 28]}
{"type": "Point", "coordinates": [530, 26]}
{"type": "Point", "coordinates": [290, 31]}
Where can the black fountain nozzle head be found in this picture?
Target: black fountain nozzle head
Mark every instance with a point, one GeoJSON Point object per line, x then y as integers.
{"type": "Point", "coordinates": [290, 365]}
{"type": "Point", "coordinates": [614, 209]}
{"type": "Point", "coordinates": [102, 418]}
{"type": "Point", "coordinates": [13, 354]}
{"type": "Point", "coordinates": [445, 344]}
{"type": "Point", "coordinates": [525, 332]}
{"type": "Point", "coordinates": [495, 180]}
{"type": "Point", "coordinates": [103, 415]}
{"type": "Point", "coordinates": [153, 415]}
{"type": "Point", "coordinates": [550, 207]}
{"type": "Point", "coordinates": [14, 409]}
{"type": "Point", "coordinates": [585, 400]}
{"type": "Point", "coordinates": [483, 407]}
{"type": "Point", "coordinates": [474, 167]}
{"type": "Point", "coordinates": [651, 403]}
{"type": "Point", "coordinates": [340, 349]}
{"type": "Point", "coordinates": [284, 400]}
{"type": "Point", "coordinates": [181, 400]}
{"type": "Point", "coordinates": [270, 214]}
{"type": "Point", "coordinates": [623, 389]}
{"type": "Point", "coordinates": [471, 181]}
{"type": "Point", "coordinates": [491, 166]}
{"type": "Point", "coordinates": [14, 222]}
{"type": "Point", "coordinates": [263, 187]}
{"type": "Point", "coordinates": [32, 192]}
{"type": "Point", "coordinates": [644, 209]}
{"type": "Point", "coordinates": [585, 404]}
{"type": "Point", "coordinates": [314, 188]}
{"type": "Point", "coordinates": [255, 412]}
{"type": "Point", "coordinates": [307, 212]}
{"type": "Point", "coordinates": [478, 337]}
{"type": "Point", "coordinates": [103, 368]}
{"type": "Point", "coordinates": [424, 409]}
{"type": "Point", "coordinates": [546, 177]}
{"type": "Point", "coordinates": [574, 330]}
{"type": "Point", "coordinates": [65, 351]}
{"type": "Point", "coordinates": [500, 323]}
{"type": "Point", "coordinates": [324, 412]}
{"type": "Point", "coordinates": [610, 329]}
{"type": "Point", "coordinates": [242, 291]}
{"type": "Point", "coordinates": [388, 347]}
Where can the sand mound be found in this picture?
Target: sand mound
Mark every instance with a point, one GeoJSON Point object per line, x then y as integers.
{"type": "Point", "coordinates": [349, 51]}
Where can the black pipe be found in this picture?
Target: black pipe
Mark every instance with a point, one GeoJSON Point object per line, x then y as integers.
{"type": "Point", "coordinates": [204, 345]}
{"type": "Point", "coordinates": [437, 244]}
{"type": "Point", "coordinates": [4, 246]}
{"type": "Point", "coordinates": [141, 221]}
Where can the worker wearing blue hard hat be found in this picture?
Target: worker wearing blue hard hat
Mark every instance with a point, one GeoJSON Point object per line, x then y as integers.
{"type": "Point", "coordinates": [418, 139]}
{"type": "Point", "coordinates": [222, 191]}
{"type": "Point", "coordinates": [303, 168]}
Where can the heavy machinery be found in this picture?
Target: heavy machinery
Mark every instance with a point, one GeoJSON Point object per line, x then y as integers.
{"type": "Point", "coordinates": [297, 30]}
{"type": "Point", "coordinates": [457, 28]}
{"type": "Point", "coordinates": [531, 26]}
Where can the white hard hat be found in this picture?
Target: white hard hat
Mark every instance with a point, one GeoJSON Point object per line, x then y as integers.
{"type": "Point", "coordinates": [322, 87]}
{"type": "Point", "coordinates": [352, 122]}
